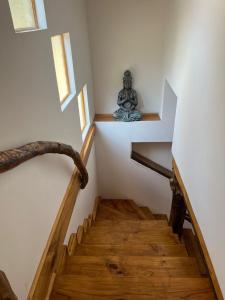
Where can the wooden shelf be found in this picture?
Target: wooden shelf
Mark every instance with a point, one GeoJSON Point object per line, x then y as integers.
{"type": "Point", "coordinates": [109, 117]}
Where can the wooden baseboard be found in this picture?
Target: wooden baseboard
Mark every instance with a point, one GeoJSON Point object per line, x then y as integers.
{"type": "Point", "coordinates": [52, 253]}
{"type": "Point", "coordinates": [199, 234]}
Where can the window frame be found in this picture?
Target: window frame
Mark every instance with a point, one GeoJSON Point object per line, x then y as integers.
{"type": "Point", "coordinates": [68, 65]}
{"type": "Point", "coordinates": [86, 111]}
{"type": "Point", "coordinates": [39, 17]}
{"type": "Point", "coordinates": [82, 110]}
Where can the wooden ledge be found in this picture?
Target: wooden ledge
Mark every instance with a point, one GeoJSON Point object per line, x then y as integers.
{"type": "Point", "coordinates": [109, 117]}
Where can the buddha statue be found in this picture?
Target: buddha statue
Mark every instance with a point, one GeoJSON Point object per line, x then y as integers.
{"type": "Point", "coordinates": [127, 101]}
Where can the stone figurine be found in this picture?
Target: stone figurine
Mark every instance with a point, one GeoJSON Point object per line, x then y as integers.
{"type": "Point", "coordinates": [127, 101]}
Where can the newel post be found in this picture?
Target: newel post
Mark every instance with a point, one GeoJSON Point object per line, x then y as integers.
{"type": "Point", "coordinates": [178, 209]}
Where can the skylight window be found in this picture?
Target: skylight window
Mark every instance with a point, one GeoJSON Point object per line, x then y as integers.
{"type": "Point", "coordinates": [63, 61]}
{"type": "Point", "coordinates": [28, 15]}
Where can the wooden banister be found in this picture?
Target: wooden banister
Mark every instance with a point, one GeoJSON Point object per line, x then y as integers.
{"type": "Point", "coordinates": [6, 292]}
{"type": "Point", "coordinates": [10, 159]}
{"type": "Point", "coordinates": [151, 165]}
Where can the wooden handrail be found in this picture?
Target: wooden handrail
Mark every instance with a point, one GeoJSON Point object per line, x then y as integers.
{"type": "Point", "coordinates": [6, 292]}
{"type": "Point", "coordinates": [151, 165]}
{"type": "Point", "coordinates": [10, 159]}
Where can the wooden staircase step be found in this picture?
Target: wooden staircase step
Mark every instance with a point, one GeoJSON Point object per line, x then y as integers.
{"type": "Point", "coordinates": [131, 225]}
{"type": "Point", "coordinates": [108, 235]}
{"type": "Point", "coordinates": [161, 217]}
{"type": "Point", "coordinates": [105, 212]}
{"type": "Point", "coordinates": [147, 213]}
{"type": "Point", "coordinates": [151, 249]}
{"type": "Point", "coordinates": [130, 266]}
{"type": "Point", "coordinates": [127, 207]}
{"type": "Point", "coordinates": [142, 215]}
{"type": "Point", "coordinates": [83, 287]}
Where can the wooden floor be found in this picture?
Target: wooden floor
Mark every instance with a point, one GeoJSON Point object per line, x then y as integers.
{"type": "Point", "coordinates": [131, 254]}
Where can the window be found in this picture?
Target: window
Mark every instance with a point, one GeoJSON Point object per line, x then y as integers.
{"type": "Point", "coordinates": [28, 15]}
{"type": "Point", "coordinates": [63, 61]}
{"type": "Point", "coordinates": [83, 111]}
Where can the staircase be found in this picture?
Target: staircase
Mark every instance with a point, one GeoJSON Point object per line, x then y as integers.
{"type": "Point", "coordinates": [130, 254]}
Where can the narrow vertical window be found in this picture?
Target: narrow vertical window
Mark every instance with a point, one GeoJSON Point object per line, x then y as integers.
{"type": "Point", "coordinates": [62, 55]}
{"type": "Point", "coordinates": [84, 113]}
{"type": "Point", "coordinates": [28, 15]}
{"type": "Point", "coordinates": [82, 110]}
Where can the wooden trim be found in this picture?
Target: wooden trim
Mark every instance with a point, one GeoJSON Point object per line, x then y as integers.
{"type": "Point", "coordinates": [51, 255]}
{"type": "Point", "coordinates": [80, 233]}
{"type": "Point", "coordinates": [50, 287]}
{"type": "Point", "coordinates": [87, 145]}
{"type": "Point", "coordinates": [151, 165]}
{"type": "Point", "coordinates": [72, 244]}
{"type": "Point", "coordinates": [198, 233]}
{"type": "Point", "coordinates": [95, 209]}
{"type": "Point", "coordinates": [109, 117]}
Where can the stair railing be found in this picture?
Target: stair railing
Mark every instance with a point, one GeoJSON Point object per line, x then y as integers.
{"type": "Point", "coordinates": [179, 212]}
{"type": "Point", "coordinates": [12, 158]}
{"type": "Point", "coordinates": [151, 165]}
{"type": "Point", "coordinates": [6, 292]}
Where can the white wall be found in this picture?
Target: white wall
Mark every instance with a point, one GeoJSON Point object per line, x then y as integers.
{"type": "Point", "coordinates": [122, 178]}
{"type": "Point", "coordinates": [127, 34]}
{"type": "Point", "coordinates": [196, 71]}
{"type": "Point", "coordinates": [158, 152]}
{"type": "Point", "coordinates": [30, 111]}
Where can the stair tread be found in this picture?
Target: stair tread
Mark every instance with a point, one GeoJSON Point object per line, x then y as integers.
{"type": "Point", "coordinates": [123, 206]}
{"type": "Point", "coordinates": [152, 249]}
{"type": "Point", "coordinates": [161, 217]}
{"type": "Point", "coordinates": [130, 266]}
{"type": "Point", "coordinates": [83, 287]}
{"type": "Point", "coordinates": [147, 212]}
{"type": "Point", "coordinates": [141, 213]}
{"type": "Point", "coordinates": [106, 212]}
{"type": "Point", "coordinates": [108, 235]}
{"type": "Point", "coordinates": [111, 226]}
